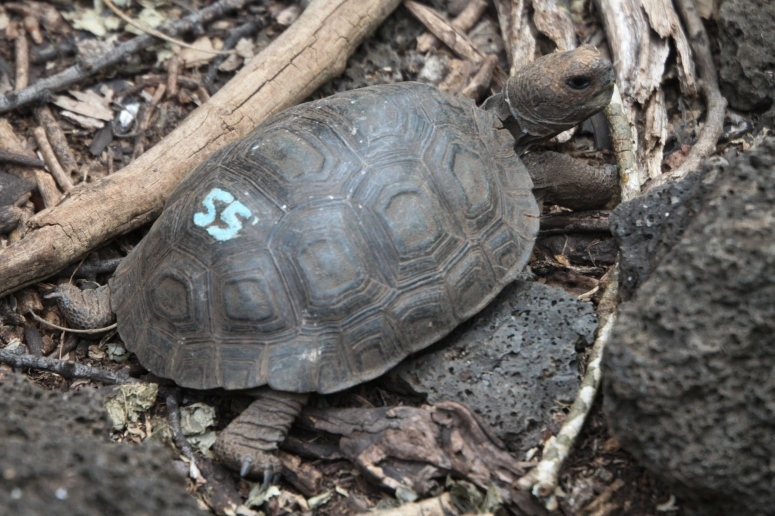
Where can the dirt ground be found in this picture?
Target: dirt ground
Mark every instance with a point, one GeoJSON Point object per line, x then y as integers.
{"type": "Point", "coordinates": [599, 478]}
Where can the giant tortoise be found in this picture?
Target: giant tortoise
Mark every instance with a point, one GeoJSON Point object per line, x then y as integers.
{"type": "Point", "coordinates": [337, 238]}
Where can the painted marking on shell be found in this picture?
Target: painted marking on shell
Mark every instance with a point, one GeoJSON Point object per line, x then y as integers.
{"type": "Point", "coordinates": [228, 215]}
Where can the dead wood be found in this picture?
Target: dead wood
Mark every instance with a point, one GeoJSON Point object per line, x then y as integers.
{"type": "Point", "coordinates": [543, 480]}
{"type": "Point", "coordinates": [439, 506]}
{"type": "Point", "coordinates": [555, 22]}
{"type": "Point", "coordinates": [20, 159]}
{"type": "Point", "coordinates": [243, 31]}
{"type": "Point", "coordinates": [518, 34]}
{"type": "Point", "coordinates": [173, 71]}
{"type": "Point", "coordinates": [316, 46]}
{"type": "Point", "coordinates": [624, 145]}
{"type": "Point", "coordinates": [454, 38]}
{"type": "Point", "coordinates": [715, 103]}
{"type": "Point", "coordinates": [11, 143]}
{"type": "Point", "coordinates": [57, 139]}
{"type": "Point", "coordinates": [462, 22]}
{"type": "Point", "coordinates": [479, 84]}
{"type": "Point", "coordinates": [458, 75]}
{"type": "Point", "coordinates": [595, 221]}
{"type": "Point", "coordinates": [67, 369]}
{"type": "Point", "coordinates": [407, 447]}
{"type": "Point", "coordinates": [62, 179]}
{"type": "Point", "coordinates": [91, 66]}
{"type": "Point", "coordinates": [22, 60]}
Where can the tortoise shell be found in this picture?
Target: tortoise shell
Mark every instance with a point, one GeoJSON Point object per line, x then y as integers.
{"type": "Point", "coordinates": [330, 243]}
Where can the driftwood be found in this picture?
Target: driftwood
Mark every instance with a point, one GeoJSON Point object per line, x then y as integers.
{"type": "Point", "coordinates": [309, 53]}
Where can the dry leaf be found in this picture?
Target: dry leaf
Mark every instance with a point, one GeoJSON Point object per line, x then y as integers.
{"type": "Point", "coordinates": [90, 20]}
{"type": "Point", "coordinates": [88, 104]}
{"type": "Point", "coordinates": [202, 53]}
{"type": "Point", "coordinates": [84, 121]}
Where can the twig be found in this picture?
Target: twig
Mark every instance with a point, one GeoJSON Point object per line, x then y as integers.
{"type": "Point", "coordinates": [452, 37]}
{"type": "Point", "coordinates": [624, 147]}
{"type": "Point", "coordinates": [57, 139]}
{"type": "Point", "coordinates": [554, 22]}
{"type": "Point", "coordinates": [463, 22]}
{"type": "Point", "coordinates": [89, 67]}
{"type": "Point", "coordinates": [48, 52]}
{"type": "Point", "coordinates": [715, 103]}
{"type": "Point", "coordinates": [229, 43]}
{"type": "Point", "coordinates": [542, 481]}
{"type": "Point", "coordinates": [145, 119]}
{"type": "Point", "coordinates": [172, 400]}
{"type": "Point", "coordinates": [72, 330]}
{"type": "Point", "coordinates": [51, 160]}
{"type": "Point", "coordinates": [480, 83]}
{"type": "Point", "coordinates": [173, 69]}
{"type": "Point", "coordinates": [518, 33]}
{"type": "Point", "coordinates": [33, 27]}
{"type": "Point", "coordinates": [22, 57]}
{"type": "Point", "coordinates": [47, 188]}
{"type": "Point", "coordinates": [595, 221]}
{"type": "Point", "coordinates": [156, 33]}
{"type": "Point", "coordinates": [67, 369]}
{"type": "Point", "coordinates": [20, 159]}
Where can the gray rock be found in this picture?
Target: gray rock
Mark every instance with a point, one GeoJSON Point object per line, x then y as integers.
{"type": "Point", "coordinates": [688, 373]}
{"type": "Point", "coordinates": [513, 364]}
{"type": "Point", "coordinates": [645, 228]}
{"type": "Point", "coordinates": [746, 42]}
{"type": "Point", "coordinates": [56, 459]}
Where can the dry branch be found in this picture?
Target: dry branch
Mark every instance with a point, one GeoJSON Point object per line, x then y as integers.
{"type": "Point", "coordinates": [51, 160]}
{"type": "Point", "coordinates": [89, 67]}
{"type": "Point", "coordinates": [57, 139]}
{"type": "Point", "coordinates": [454, 38]}
{"type": "Point", "coordinates": [555, 22]}
{"type": "Point", "coordinates": [518, 33]}
{"type": "Point", "coordinates": [543, 480]}
{"type": "Point", "coordinates": [462, 22]}
{"type": "Point", "coordinates": [22, 58]}
{"type": "Point", "coordinates": [67, 369]}
{"type": "Point", "coordinates": [309, 53]}
{"type": "Point", "coordinates": [19, 159]}
{"type": "Point", "coordinates": [715, 103]}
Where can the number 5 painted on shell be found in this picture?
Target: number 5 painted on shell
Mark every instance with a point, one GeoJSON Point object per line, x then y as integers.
{"type": "Point", "coordinates": [228, 215]}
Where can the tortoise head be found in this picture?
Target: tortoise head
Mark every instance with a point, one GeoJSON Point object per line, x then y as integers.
{"type": "Point", "coordinates": [559, 91]}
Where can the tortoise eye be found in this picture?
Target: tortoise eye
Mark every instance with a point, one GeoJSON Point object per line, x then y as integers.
{"type": "Point", "coordinates": [580, 82]}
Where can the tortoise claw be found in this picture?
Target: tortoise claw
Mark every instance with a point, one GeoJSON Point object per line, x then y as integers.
{"type": "Point", "coordinates": [269, 475]}
{"type": "Point", "coordinates": [246, 466]}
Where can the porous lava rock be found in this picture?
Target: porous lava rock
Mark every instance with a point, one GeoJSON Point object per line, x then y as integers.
{"type": "Point", "coordinates": [647, 227]}
{"type": "Point", "coordinates": [56, 459]}
{"type": "Point", "coordinates": [747, 55]}
{"type": "Point", "coordinates": [688, 376]}
{"type": "Point", "coordinates": [514, 364]}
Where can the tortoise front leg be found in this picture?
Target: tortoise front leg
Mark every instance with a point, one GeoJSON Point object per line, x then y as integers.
{"type": "Point", "coordinates": [249, 443]}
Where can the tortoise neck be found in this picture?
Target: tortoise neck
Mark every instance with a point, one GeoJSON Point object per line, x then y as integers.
{"type": "Point", "coordinates": [500, 105]}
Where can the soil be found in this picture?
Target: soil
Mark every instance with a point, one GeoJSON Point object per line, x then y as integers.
{"type": "Point", "coordinates": [599, 478]}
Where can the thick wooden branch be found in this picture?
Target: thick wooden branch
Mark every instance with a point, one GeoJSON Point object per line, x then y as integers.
{"type": "Point", "coordinates": [309, 53]}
